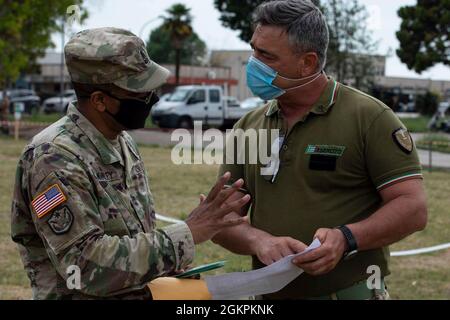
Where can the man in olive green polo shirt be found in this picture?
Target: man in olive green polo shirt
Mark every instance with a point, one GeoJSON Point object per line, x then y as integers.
{"type": "Point", "coordinates": [348, 170]}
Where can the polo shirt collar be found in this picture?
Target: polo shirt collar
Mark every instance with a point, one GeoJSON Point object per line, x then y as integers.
{"type": "Point", "coordinates": [326, 100]}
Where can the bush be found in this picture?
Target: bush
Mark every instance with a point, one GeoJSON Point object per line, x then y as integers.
{"type": "Point", "coordinates": [427, 104]}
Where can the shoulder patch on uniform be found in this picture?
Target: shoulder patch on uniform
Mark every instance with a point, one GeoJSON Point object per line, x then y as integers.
{"type": "Point", "coordinates": [48, 200]}
{"type": "Point", "coordinates": [403, 139]}
{"type": "Point", "coordinates": [61, 220]}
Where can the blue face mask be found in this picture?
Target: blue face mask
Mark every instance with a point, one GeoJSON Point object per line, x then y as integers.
{"type": "Point", "coordinates": [260, 78]}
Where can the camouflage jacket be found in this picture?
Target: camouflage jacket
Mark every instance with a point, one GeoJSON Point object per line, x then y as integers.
{"type": "Point", "coordinates": [79, 202]}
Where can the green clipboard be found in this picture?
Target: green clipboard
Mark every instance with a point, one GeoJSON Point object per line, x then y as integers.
{"type": "Point", "coordinates": [200, 269]}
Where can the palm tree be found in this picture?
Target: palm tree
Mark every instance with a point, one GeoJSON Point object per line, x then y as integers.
{"type": "Point", "coordinates": [178, 23]}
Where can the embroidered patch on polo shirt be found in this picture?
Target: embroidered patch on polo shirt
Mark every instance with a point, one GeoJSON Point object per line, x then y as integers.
{"type": "Point", "coordinates": [325, 150]}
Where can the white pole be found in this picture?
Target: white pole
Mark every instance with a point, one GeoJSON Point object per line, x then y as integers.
{"type": "Point", "coordinates": [61, 85]}
{"type": "Point", "coordinates": [225, 104]}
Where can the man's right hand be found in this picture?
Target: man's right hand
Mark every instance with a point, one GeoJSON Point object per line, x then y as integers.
{"type": "Point", "coordinates": [209, 217]}
{"type": "Point", "coordinates": [270, 249]}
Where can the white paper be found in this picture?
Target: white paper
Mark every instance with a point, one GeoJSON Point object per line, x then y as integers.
{"type": "Point", "coordinates": [266, 280]}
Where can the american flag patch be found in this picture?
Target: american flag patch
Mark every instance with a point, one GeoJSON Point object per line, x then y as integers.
{"type": "Point", "coordinates": [48, 200]}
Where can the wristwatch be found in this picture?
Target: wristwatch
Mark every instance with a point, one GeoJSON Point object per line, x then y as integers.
{"type": "Point", "coordinates": [352, 246]}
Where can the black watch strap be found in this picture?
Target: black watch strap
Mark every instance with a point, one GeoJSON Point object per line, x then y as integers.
{"type": "Point", "coordinates": [351, 241]}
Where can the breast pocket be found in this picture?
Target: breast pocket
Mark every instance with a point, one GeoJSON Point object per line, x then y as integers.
{"type": "Point", "coordinates": [113, 210]}
{"type": "Point", "coordinates": [322, 163]}
{"type": "Point", "coordinates": [142, 199]}
{"type": "Point", "coordinates": [321, 171]}
{"type": "Point", "coordinates": [139, 178]}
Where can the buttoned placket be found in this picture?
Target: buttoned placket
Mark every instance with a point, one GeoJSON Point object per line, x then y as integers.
{"type": "Point", "coordinates": [128, 181]}
{"type": "Point", "coordinates": [284, 148]}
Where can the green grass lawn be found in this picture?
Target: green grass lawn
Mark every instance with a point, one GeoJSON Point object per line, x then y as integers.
{"type": "Point", "coordinates": [440, 143]}
{"type": "Point", "coordinates": [176, 190]}
{"type": "Point", "coordinates": [416, 125]}
{"type": "Point", "coordinates": [40, 117]}
{"type": "Point", "coordinates": [53, 117]}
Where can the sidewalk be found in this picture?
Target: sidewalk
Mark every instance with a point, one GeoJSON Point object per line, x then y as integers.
{"type": "Point", "coordinates": [438, 159]}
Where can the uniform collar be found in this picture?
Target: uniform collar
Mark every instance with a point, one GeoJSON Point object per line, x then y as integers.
{"type": "Point", "coordinates": [105, 149]}
{"type": "Point", "coordinates": [326, 100]}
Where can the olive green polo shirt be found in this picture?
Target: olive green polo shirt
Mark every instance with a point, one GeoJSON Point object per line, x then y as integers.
{"type": "Point", "coordinates": [333, 163]}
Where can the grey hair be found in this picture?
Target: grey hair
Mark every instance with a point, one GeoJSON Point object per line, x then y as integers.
{"type": "Point", "coordinates": [304, 23]}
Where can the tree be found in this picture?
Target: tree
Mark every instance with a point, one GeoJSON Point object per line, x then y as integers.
{"type": "Point", "coordinates": [424, 34]}
{"type": "Point", "coordinates": [25, 33]}
{"type": "Point", "coordinates": [236, 15]}
{"type": "Point", "coordinates": [350, 55]}
{"type": "Point", "coordinates": [178, 24]}
{"type": "Point", "coordinates": [351, 45]}
{"type": "Point", "coordinates": [427, 104]}
{"type": "Point", "coordinates": [160, 48]}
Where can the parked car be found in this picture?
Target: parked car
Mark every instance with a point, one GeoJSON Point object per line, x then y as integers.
{"type": "Point", "coordinates": [232, 102]}
{"type": "Point", "coordinates": [407, 106]}
{"type": "Point", "coordinates": [1, 96]}
{"type": "Point", "coordinates": [165, 97]}
{"type": "Point", "coordinates": [441, 119]}
{"type": "Point", "coordinates": [197, 103]}
{"type": "Point", "coordinates": [27, 97]}
{"type": "Point", "coordinates": [59, 103]}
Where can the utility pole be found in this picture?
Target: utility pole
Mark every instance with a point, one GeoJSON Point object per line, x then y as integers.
{"type": "Point", "coordinates": [61, 87]}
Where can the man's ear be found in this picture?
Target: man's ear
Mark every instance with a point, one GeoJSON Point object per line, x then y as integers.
{"type": "Point", "coordinates": [309, 64]}
{"type": "Point", "coordinates": [97, 99]}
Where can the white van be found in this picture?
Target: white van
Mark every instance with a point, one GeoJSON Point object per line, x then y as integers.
{"type": "Point", "coordinates": [198, 103]}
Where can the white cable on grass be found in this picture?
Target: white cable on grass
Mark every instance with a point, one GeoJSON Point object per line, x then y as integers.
{"type": "Point", "coordinates": [393, 254]}
{"type": "Point", "coordinates": [420, 251]}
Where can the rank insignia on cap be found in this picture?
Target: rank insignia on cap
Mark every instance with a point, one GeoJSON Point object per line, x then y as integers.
{"type": "Point", "coordinates": [144, 56]}
{"type": "Point", "coordinates": [48, 200]}
{"type": "Point", "coordinates": [403, 139]}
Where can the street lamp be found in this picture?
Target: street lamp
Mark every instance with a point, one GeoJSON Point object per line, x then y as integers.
{"type": "Point", "coordinates": [61, 84]}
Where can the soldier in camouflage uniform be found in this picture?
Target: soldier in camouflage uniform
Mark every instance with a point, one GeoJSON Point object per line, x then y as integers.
{"type": "Point", "coordinates": [81, 195]}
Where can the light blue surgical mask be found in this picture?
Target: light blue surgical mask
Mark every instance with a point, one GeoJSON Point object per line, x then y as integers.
{"type": "Point", "coordinates": [260, 78]}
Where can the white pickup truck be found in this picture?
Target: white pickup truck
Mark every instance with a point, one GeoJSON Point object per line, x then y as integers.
{"type": "Point", "coordinates": [198, 103]}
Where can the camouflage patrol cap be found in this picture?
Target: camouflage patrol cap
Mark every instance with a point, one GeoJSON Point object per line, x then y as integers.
{"type": "Point", "coordinates": [112, 56]}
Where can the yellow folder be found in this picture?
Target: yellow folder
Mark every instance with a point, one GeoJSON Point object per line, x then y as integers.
{"type": "Point", "coordinates": [168, 288]}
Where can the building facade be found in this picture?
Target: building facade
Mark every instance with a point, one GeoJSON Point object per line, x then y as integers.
{"type": "Point", "coordinates": [227, 68]}
{"type": "Point", "coordinates": [48, 81]}
{"type": "Point", "coordinates": [201, 75]}
{"type": "Point", "coordinates": [236, 61]}
{"type": "Point", "coordinates": [402, 88]}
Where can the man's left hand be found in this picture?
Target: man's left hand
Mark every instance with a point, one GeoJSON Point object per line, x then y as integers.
{"type": "Point", "coordinates": [325, 258]}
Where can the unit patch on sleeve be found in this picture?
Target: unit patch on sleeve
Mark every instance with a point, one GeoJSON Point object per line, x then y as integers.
{"type": "Point", "coordinates": [403, 139]}
{"type": "Point", "coordinates": [61, 220]}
